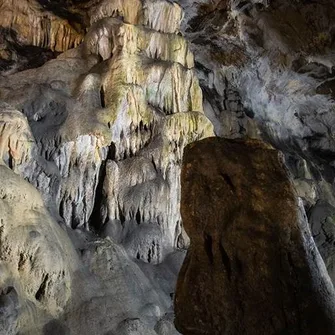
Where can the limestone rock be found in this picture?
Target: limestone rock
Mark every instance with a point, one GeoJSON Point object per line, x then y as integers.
{"type": "Point", "coordinates": [108, 35]}
{"type": "Point", "coordinates": [266, 68]}
{"type": "Point", "coordinates": [16, 140]}
{"type": "Point", "coordinates": [102, 96]}
{"type": "Point", "coordinates": [252, 266]}
{"type": "Point", "coordinates": [37, 258]}
{"type": "Point", "coordinates": [103, 127]}
{"type": "Point", "coordinates": [321, 217]}
{"type": "Point", "coordinates": [154, 108]}
{"type": "Point", "coordinates": [163, 16]}
{"type": "Point", "coordinates": [68, 152]}
{"type": "Point", "coordinates": [97, 120]}
{"type": "Point", "coordinates": [37, 27]}
{"type": "Point", "coordinates": [115, 294]}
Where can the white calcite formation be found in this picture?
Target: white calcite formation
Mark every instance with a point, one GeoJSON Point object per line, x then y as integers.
{"type": "Point", "coordinates": [153, 106]}
{"type": "Point", "coordinates": [91, 146]}
{"type": "Point", "coordinates": [163, 16]}
{"type": "Point", "coordinates": [37, 258]}
{"type": "Point", "coordinates": [79, 163]}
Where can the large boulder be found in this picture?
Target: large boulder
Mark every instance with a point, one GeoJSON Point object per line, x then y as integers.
{"type": "Point", "coordinates": [252, 266]}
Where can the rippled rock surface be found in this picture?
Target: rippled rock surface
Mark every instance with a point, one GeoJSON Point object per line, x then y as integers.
{"type": "Point", "coordinates": [96, 135]}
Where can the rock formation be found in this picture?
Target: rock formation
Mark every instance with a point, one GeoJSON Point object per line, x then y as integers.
{"type": "Point", "coordinates": [266, 68]}
{"type": "Point", "coordinates": [38, 260]}
{"type": "Point", "coordinates": [99, 133]}
{"type": "Point", "coordinates": [252, 266]}
{"type": "Point", "coordinates": [125, 118]}
{"type": "Point", "coordinates": [98, 98]}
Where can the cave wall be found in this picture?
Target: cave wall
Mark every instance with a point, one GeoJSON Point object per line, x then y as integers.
{"type": "Point", "coordinates": [252, 266]}
{"type": "Point", "coordinates": [97, 134]}
{"type": "Point", "coordinates": [266, 70]}
{"type": "Point", "coordinates": [98, 100]}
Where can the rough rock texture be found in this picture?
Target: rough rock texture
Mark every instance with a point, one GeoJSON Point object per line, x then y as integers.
{"type": "Point", "coordinates": [98, 98]}
{"type": "Point", "coordinates": [37, 258]}
{"type": "Point", "coordinates": [252, 266]}
{"type": "Point", "coordinates": [99, 133]}
{"type": "Point", "coordinates": [111, 119]}
{"type": "Point", "coordinates": [266, 68]}
{"type": "Point", "coordinates": [37, 27]}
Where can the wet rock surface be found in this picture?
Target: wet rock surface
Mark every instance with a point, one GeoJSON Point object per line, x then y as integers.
{"type": "Point", "coordinates": [252, 266]}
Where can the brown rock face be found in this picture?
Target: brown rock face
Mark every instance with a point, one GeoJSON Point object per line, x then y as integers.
{"type": "Point", "coordinates": [252, 266]}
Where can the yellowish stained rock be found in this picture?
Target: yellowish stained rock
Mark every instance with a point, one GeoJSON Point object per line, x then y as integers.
{"type": "Point", "coordinates": [159, 15]}
{"type": "Point", "coordinates": [110, 35]}
{"type": "Point", "coordinates": [126, 102]}
{"type": "Point", "coordinates": [37, 27]}
{"type": "Point", "coordinates": [15, 137]}
{"type": "Point", "coordinates": [154, 108]}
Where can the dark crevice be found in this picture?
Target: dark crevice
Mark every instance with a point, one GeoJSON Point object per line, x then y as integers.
{"type": "Point", "coordinates": [206, 16]}
{"type": "Point", "coordinates": [102, 97]}
{"type": "Point", "coordinates": [128, 155]}
{"type": "Point", "coordinates": [10, 162]}
{"type": "Point", "coordinates": [7, 290]}
{"type": "Point", "coordinates": [249, 113]}
{"type": "Point", "coordinates": [225, 260]}
{"type": "Point", "coordinates": [61, 209]}
{"type": "Point", "coordinates": [202, 68]}
{"type": "Point", "coordinates": [75, 221]}
{"type": "Point", "coordinates": [21, 56]}
{"type": "Point", "coordinates": [111, 152]}
{"type": "Point", "coordinates": [241, 130]}
{"type": "Point", "coordinates": [97, 219]}
{"type": "Point", "coordinates": [21, 261]}
{"type": "Point", "coordinates": [225, 94]}
{"type": "Point", "coordinates": [64, 9]}
{"type": "Point", "coordinates": [153, 163]}
{"type": "Point", "coordinates": [242, 5]}
{"type": "Point", "coordinates": [41, 291]}
{"type": "Point", "coordinates": [138, 216]}
{"type": "Point", "coordinates": [209, 247]}
{"type": "Point", "coordinates": [149, 255]}
{"type": "Point", "coordinates": [228, 181]}
{"type": "Point", "coordinates": [121, 215]}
